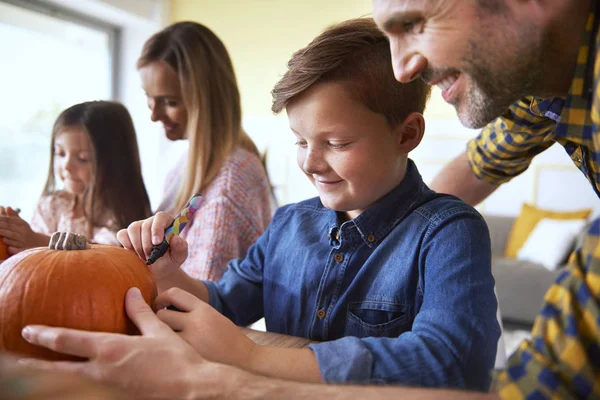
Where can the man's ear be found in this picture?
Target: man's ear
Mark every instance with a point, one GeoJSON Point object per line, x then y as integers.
{"type": "Point", "coordinates": [410, 132]}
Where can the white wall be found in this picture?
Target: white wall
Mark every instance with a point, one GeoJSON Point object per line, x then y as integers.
{"type": "Point", "coordinates": [552, 181]}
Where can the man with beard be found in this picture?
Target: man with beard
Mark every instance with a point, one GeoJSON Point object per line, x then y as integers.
{"type": "Point", "coordinates": [485, 55]}
{"type": "Point", "coordinates": [527, 72]}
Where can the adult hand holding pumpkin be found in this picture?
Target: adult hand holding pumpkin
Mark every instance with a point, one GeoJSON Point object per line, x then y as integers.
{"type": "Point", "coordinates": [16, 233]}
{"type": "Point", "coordinates": [158, 364]}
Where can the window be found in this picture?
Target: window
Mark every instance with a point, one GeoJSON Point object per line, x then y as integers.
{"type": "Point", "coordinates": [50, 60]}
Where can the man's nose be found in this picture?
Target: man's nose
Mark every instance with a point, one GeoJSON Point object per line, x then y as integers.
{"type": "Point", "coordinates": [407, 66]}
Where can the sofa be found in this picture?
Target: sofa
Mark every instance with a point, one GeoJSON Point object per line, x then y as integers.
{"type": "Point", "coordinates": [520, 285]}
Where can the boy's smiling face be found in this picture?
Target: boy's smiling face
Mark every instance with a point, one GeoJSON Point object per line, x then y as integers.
{"type": "Point", "coordinates": [350, 153]}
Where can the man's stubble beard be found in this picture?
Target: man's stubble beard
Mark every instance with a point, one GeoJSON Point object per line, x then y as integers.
{"type": "Point", "coordinates": [494, 82]}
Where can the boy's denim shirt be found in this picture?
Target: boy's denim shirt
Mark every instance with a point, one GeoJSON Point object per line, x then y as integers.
{"type": "Point", "coordinates": [401, 294]}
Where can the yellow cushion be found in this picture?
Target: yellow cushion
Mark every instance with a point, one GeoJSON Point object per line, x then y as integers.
{"type": "Point", "coordinates": [528, 219]}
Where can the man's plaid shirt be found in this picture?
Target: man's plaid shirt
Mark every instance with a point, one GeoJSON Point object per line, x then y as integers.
{"type": "Point", "coordinates": [562, 360]}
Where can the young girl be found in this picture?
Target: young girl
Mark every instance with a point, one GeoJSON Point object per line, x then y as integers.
{"type": "Point", "coordinates": [94, 155]}
{"type": "Point", "coordinates": [192, 90]}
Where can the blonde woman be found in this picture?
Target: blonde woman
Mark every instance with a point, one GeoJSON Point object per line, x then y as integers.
{"type": "Point", "coordinates": [192, 91]}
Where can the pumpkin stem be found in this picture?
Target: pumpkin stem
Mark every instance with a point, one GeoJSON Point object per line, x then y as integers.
{"type": "Point", "coordinates": [68, 241]}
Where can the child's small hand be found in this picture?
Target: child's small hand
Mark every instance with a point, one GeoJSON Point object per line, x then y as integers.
{"type": "Point", "coordinates": [8, 212]}
{"type": "Point", "coordinates": [209, 332]}
{"type": "Point", "coordinates": [16, 232]}
{"type": "Point", "coordinates": [140, 236]}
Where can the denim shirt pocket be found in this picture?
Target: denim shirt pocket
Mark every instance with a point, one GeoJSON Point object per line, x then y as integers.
{"type": "Point", "coordinates": [377, 319]}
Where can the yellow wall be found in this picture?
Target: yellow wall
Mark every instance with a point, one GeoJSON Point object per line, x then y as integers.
{"type": "Point", "coordinates": [261, 35]}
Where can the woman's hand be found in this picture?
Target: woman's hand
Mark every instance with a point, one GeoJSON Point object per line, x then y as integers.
{"type": "Point", "coordinates": [16, 232]}
{"type": "Point", "coordinates": [214, 336]}
{"type": "Point", "coordinates": [140, 236]}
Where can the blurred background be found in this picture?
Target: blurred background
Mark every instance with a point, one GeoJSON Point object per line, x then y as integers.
{"type": "Point", "coordinates": [55, 53]}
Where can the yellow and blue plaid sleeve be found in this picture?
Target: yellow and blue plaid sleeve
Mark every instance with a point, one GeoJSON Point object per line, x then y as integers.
{"type": "Point", "coordinates": [505, 147]}
{"type": "Point", "coordinates": [562, 360]}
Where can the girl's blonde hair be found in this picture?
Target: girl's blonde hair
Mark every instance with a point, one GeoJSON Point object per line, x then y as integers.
{"type": "Point", "coordinates": [116, 191]}
{"type": "Point", "coordinates": [210, 95]}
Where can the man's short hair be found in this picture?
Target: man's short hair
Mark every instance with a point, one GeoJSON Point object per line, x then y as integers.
{"type": "Point", "coordinates": [357, 54]}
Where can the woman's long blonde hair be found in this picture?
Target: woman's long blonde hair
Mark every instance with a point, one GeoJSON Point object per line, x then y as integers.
{"type": "Point", "coordinates": [210, 95]}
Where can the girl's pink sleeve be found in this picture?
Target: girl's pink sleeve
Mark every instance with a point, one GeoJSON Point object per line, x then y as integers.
{"type": "Point", "coordinates": [45, 217]}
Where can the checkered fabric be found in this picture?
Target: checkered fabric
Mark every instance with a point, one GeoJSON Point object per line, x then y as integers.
{"type": "Point", "coordinates": [505, 147]}
{"type": "Point", "coordinates": [562, 360]}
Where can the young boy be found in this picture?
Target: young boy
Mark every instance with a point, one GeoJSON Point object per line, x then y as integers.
{"type": "Point", "coordinates": [394, 279]}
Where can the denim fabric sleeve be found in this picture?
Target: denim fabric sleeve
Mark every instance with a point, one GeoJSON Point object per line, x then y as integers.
{"type": "Point", "coordinates": [455, 333]}
{"type": "Point", "coordinates": [239, 293]}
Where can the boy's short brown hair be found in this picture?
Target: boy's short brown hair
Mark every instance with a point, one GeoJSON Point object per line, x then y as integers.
{"type": "Point", "coordinates": [356, 53]}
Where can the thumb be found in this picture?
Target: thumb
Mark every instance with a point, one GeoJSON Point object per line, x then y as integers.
{"type": "Point", "coordinates": [142, 315]}
{"type": "Point", "coordinates": [11, 212]}
{"type": "Point", "coordinates": [178, 250]}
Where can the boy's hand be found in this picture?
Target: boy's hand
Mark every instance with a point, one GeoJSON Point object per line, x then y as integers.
{"type": "Point", "coordinates": [140, 236]}
{"type": "Point", "coordinates": [16, 232]}
{"type": "Point", "coordinates": [213, 335]}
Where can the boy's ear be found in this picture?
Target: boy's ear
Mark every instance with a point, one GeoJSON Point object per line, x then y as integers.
{"type": "Point", "coordinates": [410, 132]}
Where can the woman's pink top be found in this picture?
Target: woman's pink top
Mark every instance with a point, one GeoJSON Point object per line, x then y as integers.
{"type": "Point", "coordinates": [55, 213]}
{"type": "Point", "coordinates": [235, 212]}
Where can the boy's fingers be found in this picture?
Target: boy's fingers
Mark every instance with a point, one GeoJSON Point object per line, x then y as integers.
{"type": "Point", "coordinates": [135, 237]}
{"type": "Point", "coordinates": [160, 223]}
{"type": "Point", "coordinates": [178, 251]}
{"type": "Point", "coordinates": [123, 238]}
{"type": "Point", "coordinates": [174, 319]}
{"type": "Point", "coordinates": [146, 236]}
{"type": "Point", "coordinates": [179, 298]}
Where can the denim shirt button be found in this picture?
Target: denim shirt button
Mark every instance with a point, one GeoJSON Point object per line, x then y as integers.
{"type": "Point", "coordinates": [321, 313]}
{"type": "Point", "coordinates": [371, 238]}
{"type": "Point", "coordinates": [338, 258]}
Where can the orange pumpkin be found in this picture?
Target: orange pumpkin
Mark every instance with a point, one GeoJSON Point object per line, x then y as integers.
{"type": "Point", "coordinates": [79, 289]}
{"type": "Point", "coordinates": [3, 250]}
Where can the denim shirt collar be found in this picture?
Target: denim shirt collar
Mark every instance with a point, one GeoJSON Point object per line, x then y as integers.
{"type": "Point", "coordinates": [377, 221]}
